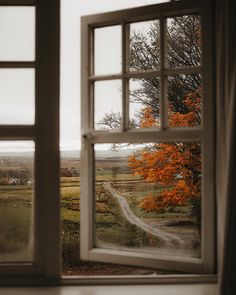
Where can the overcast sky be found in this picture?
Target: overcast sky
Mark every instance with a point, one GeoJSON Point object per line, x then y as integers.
{"type": "Point", "coordinates": [71, 11]}
{"type": "Point", "coordinates": [17, 85]}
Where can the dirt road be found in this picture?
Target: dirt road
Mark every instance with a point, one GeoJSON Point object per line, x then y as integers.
{"type": "Point", "coordinates": [168, 239]}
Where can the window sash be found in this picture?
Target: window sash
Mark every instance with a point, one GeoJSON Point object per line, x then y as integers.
{"type": "Point", "coordinates": [203, 133]}
{"type": "Point", "coordinates": [45, 134]}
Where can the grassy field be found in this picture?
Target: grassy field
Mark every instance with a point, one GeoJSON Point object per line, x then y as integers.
{"type": "Point", "coordinates": [112, 230]}
{"type": "Point", "coordinates": [15, 222]}
{"type": "Point", "coordinates": [111, 227]}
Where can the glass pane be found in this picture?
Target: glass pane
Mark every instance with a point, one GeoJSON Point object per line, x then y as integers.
{"type": "Point", "coordinates": [17, 96]}
{"type": "Point", "coordinates": [70, 229]}
{"type": "Point", "coordinates": [17, 33]}
{"type": "Point", "coordinates": [144, 46]}
{"type": "Point", "coordinates": [107, 50]}
{"type": "Point", "coordinates": [107, 104]}
{"type": "Point", "coordinates": [148, 197]}
{"type": "Point", "coordinates": [144, 102]}
{"type": "Point", "coordinates": [184, 41]}
{"type": "Point", "coordinates": [185, 102]}
{"type": "Point", "coordinates": [16, 201]}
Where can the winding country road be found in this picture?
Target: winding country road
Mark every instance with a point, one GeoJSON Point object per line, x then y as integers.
{"type": "Point", "coordinates": [168, 239]}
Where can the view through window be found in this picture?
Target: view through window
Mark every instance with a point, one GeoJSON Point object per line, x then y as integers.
{"type": "Point", "coordinates": [70, 127]}
{"type": "Point", "coordinates": [147, 194]}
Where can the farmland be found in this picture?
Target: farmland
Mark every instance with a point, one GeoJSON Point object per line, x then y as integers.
{"type": "Point", "coordinates": [112, 228]}
{"type": "Point", "coordinates": [16, 198]}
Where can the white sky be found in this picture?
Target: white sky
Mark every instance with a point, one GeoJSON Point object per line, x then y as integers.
{"type": "Point", "coordinates": [17, 96]}
{"type": "Point", "coordinates": [17, 27]}
{"type": "Point", "coordinates": [71, 10]}
{"type": "Point", "coordinates": [19, 45]}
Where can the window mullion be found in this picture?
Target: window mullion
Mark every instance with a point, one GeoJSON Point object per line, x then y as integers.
{"type": "Point", "coordinates": [47, 166]}
{"type": "Point", "coordinates": [95, 78]}
{"type": "Point", "coordinates": [17, 64]}
{"type": "Point", "coordinates": [87, 122]}
{"type": "Point", "coordinates": [91, 58]}
{"type": "Point", "coordinates": [17, 2]}
{"type": "Point", "coordinates": [17, 132]}
{"type": "Point", "coordinates": [125, 83]}
{"type": "Point", "coordinates": [151, 135]}
{"type": "Point", "coordinates": [163, 86]}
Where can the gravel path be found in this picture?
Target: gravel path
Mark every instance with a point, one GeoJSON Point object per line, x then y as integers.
{"type": "Point", "coordinates": [169, 240]}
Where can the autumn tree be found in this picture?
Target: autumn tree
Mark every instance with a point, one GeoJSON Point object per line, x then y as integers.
{"type": "Point", "coordinates": [176, 165]}
{"type": "Point", "coordinates": [183, 50]}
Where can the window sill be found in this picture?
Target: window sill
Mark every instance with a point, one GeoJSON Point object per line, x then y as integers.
{"type": "Point", "coordinates": [180, 289]}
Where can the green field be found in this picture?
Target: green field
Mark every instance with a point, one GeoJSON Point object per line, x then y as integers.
{"type": "Point", "coordinates": [15, 222]}
{"type": "Point", "coordinates": [112, 229]}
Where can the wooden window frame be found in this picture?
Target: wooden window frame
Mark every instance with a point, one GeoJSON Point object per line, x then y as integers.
{"type": "Point", "coordinates": [45, 134]}
{"type": "Point", "coordinates": [46, 268]}
{"type": "Point", "coordinates": [203, 133]}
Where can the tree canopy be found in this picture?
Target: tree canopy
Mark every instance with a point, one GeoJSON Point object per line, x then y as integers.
{"type": "Point", "coordinates": [183, 50]}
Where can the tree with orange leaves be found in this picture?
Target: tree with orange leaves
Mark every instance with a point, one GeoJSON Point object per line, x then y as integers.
{"type": "Point", "coordinates": [176, 165]}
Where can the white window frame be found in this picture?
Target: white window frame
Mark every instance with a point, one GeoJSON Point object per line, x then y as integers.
{"type": "Point", "coordinates": [45, 133]}
{"type": "Point", "coordinates": [203, 134]}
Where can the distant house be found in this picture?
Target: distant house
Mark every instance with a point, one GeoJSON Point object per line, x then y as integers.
{"type": "Point", "coordinates": [14, 180]}
{"type": "Point", "coordinates": [179, 176]}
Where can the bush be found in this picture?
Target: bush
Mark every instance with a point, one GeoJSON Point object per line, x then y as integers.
{"type": "Point", "coordinates": [70, 244]}
{"type": "Point", "coordinates": [70, 250]}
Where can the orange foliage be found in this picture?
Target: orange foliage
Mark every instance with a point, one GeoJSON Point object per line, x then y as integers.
{"type": "Point", "coordinates": [193, 103]}
{"type": "Point", "coordinates": [176, 165]}
{"type": "Point", "coordinates": [148, 119]}
{"type": "Point", "coordinates": [182, 120]}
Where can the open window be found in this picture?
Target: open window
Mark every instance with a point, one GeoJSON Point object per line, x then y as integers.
{"type": "Point", "coordinates": [147, 118]}
{"type": "Point", "coordinates": [141, 100]}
